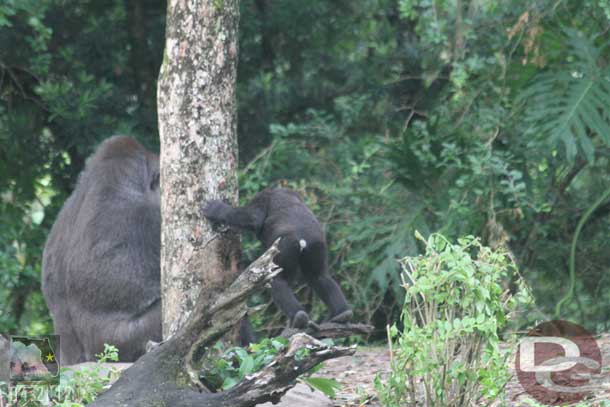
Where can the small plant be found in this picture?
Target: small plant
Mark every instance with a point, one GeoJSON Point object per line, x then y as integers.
{"type": "Point", "coordinates": [223, 369]}
{"type": "Point", "coordinates": [448, 352]}
{"type": "Point", "coordinates": [83, 386]}
{"type": "Point", "coordinates": [109, 354]}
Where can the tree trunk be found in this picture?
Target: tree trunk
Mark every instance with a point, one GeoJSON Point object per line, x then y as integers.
{"type": "Point", "coordinates": [198, 126]}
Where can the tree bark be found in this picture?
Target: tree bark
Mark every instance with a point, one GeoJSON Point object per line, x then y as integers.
{"type": "Point", "coordinates": [198, 126]}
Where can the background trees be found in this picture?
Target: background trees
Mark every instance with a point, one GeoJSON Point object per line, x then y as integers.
{"type": "Point", "coordinates": [468, 117]}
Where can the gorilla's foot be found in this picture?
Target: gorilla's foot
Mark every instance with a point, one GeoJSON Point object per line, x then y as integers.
{"type": "Point", "coordinates": [343, 317]}
{"type": "Point", "coordinates": [300, 320]}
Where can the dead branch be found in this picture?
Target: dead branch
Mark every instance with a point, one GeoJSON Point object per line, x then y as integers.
{"type": "Point", "coordinates": [168, 374]}
{"type": "Point", "coordinates": [332, 330]}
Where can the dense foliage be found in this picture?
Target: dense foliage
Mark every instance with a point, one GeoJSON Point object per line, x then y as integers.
{"type": "Point", "coordinates": [467, 117]}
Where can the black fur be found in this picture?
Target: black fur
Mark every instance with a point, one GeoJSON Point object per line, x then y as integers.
{"type": "Point", "coordinates": [280, 212]}
{"type": "Point", "coordinates": [100, 270]}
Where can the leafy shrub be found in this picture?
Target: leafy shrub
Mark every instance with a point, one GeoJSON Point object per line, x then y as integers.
{"type": "Point", "coordinates": [448, 353]}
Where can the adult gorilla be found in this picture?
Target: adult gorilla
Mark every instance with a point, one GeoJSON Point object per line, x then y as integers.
{"type": "Point", "coordinates": [100, 268]}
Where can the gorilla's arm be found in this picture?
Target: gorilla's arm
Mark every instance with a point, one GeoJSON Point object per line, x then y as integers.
{"type": "Point", "coordinates": [249, 217]}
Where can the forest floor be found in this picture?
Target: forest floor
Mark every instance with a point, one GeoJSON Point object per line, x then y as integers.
{"type": "Point", "coordinates": [357, 373]}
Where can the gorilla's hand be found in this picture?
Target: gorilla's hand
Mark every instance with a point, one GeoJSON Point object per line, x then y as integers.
{"type": "Point", "coordinates": [216, 210]}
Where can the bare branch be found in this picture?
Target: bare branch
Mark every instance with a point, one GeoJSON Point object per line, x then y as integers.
{"type": "Point", "coordinates": [332, 330]}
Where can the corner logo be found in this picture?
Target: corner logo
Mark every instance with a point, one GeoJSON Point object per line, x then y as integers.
{"type": "Point", "coordinates": [559, 363]}
{"type": "Point", "coordinates": [32, 360]}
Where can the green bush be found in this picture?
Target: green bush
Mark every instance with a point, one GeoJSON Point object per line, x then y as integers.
{"type": "Point", "coordinates": [448, 352]}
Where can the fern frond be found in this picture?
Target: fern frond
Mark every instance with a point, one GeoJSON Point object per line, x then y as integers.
{"type": "Point", "coordinates": [570, 106]}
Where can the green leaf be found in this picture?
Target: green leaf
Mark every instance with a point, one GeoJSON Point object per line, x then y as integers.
{"type": "Point", "coordinates": [326, 386]}
{"type": "Point", "coordinates": [316, 368]}
{"type": "Point", "coordinates": [246, 367]}
{"type": "Point", "coordinates": [229, 382]}
{"type": "Point", "coordinates": [569, 106]}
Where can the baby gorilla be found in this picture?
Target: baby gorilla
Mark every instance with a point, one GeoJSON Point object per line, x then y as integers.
{"type": "Point", "coordinates": [280, 212]}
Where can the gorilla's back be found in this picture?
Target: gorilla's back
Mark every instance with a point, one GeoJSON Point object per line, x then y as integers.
{"type": "Point", "coordinates": [101, 260]}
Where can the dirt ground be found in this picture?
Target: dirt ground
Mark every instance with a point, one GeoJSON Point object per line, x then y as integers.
{"type": "Point", "coordinates": [356, 374]}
